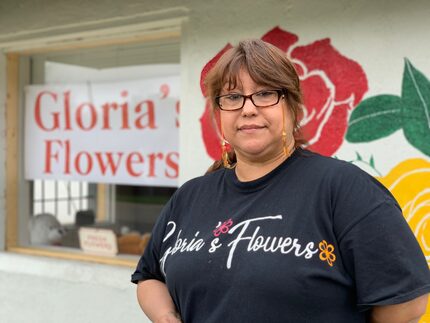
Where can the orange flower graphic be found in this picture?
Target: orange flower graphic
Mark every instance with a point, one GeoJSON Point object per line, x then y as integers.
{"type": "Point", "coordinates": [326, 253]}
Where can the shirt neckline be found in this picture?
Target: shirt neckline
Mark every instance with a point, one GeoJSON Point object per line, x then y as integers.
{"type": "Point", "coordinates": [259, 183]}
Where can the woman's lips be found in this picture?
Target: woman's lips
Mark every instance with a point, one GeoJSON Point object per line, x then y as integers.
{"type": "Point", "coordinates": [250, 128]}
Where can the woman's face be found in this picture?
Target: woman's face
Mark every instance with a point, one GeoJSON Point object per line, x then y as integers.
{"type": "Point", "coordinates": [255, 133]}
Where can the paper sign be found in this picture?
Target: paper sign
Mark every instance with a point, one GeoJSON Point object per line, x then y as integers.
{"type": "Point", "coordinates": [122, 132]}
{"type": "Point", "coordinates": [98, 241]}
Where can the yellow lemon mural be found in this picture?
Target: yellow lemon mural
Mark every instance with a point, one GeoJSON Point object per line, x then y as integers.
{"type": "Point", "coordinates": [409, 182]}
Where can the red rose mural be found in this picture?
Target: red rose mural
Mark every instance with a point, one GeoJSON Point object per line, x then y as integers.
{"type": "Point", "coordinates": [332, 85]}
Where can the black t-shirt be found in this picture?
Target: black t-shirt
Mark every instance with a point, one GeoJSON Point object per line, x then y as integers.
{"type": "Point", "coordinates": [315, 240]}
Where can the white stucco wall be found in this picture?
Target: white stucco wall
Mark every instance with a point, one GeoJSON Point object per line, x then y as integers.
{"type": "Point", "coordinates": [377, 34]}
{"type": "Point", "coordinates": [42, 290]}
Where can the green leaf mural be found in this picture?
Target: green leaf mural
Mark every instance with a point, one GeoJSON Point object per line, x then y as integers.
{"type": "Point", "coordinates": [375, 118]}
{"type": "Point", "coordinates": [372, 162]}
{"type": "Point", "coordinates": [416, 108]}
{"type": "Point", "coordinates": [381, 115]}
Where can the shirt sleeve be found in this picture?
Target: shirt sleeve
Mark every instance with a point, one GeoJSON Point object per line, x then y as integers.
{"type": "Point", "coordinates": [148, 266]}
{"type": "Point", "coordinates": [377, 246]}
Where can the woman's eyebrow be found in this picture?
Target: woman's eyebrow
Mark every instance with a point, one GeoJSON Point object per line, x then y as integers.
{"type": "Point", "coordinates": [226, 88]}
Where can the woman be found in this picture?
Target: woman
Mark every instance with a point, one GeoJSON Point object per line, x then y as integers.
{"type": "Point", "coordinates": [279, 234]}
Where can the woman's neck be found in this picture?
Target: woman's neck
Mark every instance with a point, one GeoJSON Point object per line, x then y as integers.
{"type": "Point", "coordinates": [248, 170]}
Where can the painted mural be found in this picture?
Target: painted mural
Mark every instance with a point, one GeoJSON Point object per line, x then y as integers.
{"type": "Point", "coordinates": [409, 182]}
{"type": "Point", "coordinates": [332, 85]}
{"type": "Point", "coordinates": [335, 114]}
{"type": "Point", "coordinates": [379, 116]}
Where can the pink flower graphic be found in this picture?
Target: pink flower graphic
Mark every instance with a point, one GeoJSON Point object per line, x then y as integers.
{"type": "Point", "coordinates": [223, 228]}
{"type": "Point", "coordinates": [332, 85]}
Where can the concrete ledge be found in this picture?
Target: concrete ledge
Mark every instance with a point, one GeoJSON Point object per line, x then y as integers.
{"type": "Point", "coordinates": [67, 270]}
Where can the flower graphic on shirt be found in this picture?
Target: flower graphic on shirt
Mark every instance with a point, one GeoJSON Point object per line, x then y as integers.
{"type": "Point", "coordinates": [223, 228]}
{"type": "Point", "coordinates": [326, 253]}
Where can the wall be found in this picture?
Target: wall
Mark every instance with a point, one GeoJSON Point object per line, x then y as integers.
{"type": "Point", "coordinates": [48, 290]}
{"type": "Point", "coordinates": [376, 35]}
{"type": "Point", "coordinates": [2, 149]}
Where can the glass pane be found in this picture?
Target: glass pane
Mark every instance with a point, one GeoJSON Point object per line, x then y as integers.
{"type": "Point", "coordinates": [63, 189]}
{"type": "Point", "coordinates": [37, 208]}
{"type": "Point", "coordinates": [75, 189]}
{"type": "Point", "coordinates": [37, 189]}
{"type": "Point", "coordinates": [84, 204]}
{"type": "Point", "coordinates": [135, 208]}
{"type": "Point", "coordinates": [49, 190]}
{"type": "Point", "coordinates": [50, 208]}
{"type": "Point", "coordinates": [64, 216]}
{"type": "Point", "coordinates": [84, 188]}
{"type": "Point", "coordinates": [73, 205]}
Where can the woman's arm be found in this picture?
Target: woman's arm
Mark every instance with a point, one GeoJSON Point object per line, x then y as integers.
{"type": "Point", "coordinates": [156, 302]}
{"type": "Point", "coordinates": [409, 312]}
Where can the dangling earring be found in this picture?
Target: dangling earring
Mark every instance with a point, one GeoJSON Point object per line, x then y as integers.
{"type": "Point", "coordinates": [287, 151]}
{"type": "Point", "coordinates": [284, 142]}
{"type": "Point", "coordinates": [224, 151]}
{"type": "Point", "coordinates": [225, 159]}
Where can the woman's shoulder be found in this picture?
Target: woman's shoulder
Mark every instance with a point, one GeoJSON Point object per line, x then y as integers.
{"type": "Point", "coordinates": [202, 182]}
{"type": "Point", "coordinates": [194, 190]}
{"type": "Point", "coordinates": [343, 175]}
{"type": "Point", "coordinates": [329, 165]}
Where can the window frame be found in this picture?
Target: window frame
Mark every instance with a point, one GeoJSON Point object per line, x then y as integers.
{"type": "Point", "coordinates": [18, 191]}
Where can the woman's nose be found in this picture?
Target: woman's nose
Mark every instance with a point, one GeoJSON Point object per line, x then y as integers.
{"type": "Point", "coordinates": [249, 108]}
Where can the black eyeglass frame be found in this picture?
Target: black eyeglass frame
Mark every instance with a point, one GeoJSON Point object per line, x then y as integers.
{"type": "Point", "coordinates": [281, 93]}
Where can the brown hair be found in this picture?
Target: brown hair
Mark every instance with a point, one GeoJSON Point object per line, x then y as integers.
{"type": "Point", "coordinates": [266, 65]}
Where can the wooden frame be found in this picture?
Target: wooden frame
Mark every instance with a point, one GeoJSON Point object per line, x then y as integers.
{"type": "Point", "coordinates": [13, 149]}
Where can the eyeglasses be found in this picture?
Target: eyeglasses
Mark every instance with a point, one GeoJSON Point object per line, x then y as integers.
{"type": "Point", "coordinates": [261, 99]}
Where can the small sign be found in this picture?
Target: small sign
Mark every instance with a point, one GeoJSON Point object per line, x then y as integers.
{"type": "Point", "coordinates": [98, 241]}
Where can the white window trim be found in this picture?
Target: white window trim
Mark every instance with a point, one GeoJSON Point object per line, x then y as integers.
{"type": "Point", "coordinates": [141, 27]}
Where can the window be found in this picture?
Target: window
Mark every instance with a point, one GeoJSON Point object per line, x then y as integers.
{"type": "Point", "coordinates": [124, 209]}
{"type": "Point", "coordinates": [61, 198]}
